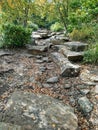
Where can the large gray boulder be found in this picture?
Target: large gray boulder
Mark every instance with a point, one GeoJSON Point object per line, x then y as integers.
{"type": "Point", "coordinates": [76, 46]}
{"type": "Point", "coordinates": [67, 68]}
{"type": "Point", "coordinates": [39, 112]}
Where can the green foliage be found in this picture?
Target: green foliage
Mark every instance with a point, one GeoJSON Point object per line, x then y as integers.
{"type": "Point", "coordinates": [56, 27]}
{"type": "Point", "coordinates": [41, 22]}
{"type": "Point", "coordinates": [84, 34]}
{"type": "Point", "coordinates": [17, 11]}
{"type": "Point", "coordinates": [1, 41]}
{"type": "Point", "coordinates": [33, 26]}
{"type": "Point", "coordinates": [95, 28]}
{"type": "Point", "coordinates": [16, 35]}
{"type": "Point", "coordinates": [91, 55]}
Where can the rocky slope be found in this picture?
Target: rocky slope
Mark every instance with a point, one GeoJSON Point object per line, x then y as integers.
{"type": "Point", "coordinates": [49, 66]}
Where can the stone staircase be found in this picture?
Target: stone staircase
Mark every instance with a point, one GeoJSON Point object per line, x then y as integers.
{"type": "Point", "coordinates": [67, 53]}
{"type": "Point", "coordinates": [67, 68]}
{"type": "Point", "coordinates": [74, 51]}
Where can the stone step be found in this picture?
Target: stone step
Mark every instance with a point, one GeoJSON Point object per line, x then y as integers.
{"type": "Point", "coordinates": [58, 47]}
{"type": "Point", "coordinates": [76, 46]}
{"type": "Point", "coordinates": [5, 53]}
{"type": "Point", "coordinates": [36, 49]}
{"type": "Point", "coordinates": [40, 35]}
{"type": "Point", "coordinates": [6, 126]}
{"type": "Point", "coordinates": [66, 67]}
{"type": "Point", "coordinates": [58, 39]}
{"type": "Point", "coordinates": [72, 55]}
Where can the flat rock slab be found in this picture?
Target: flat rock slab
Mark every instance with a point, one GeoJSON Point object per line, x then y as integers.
{"type": "Point", "coordinates": [76, 46]}
{"type": "Point", "coordinates": [75, 56]}
{"type": "Point", "coordinates": [40, 112]}
{"type": "Point", "coordinates": [37, 49]}
{"type": "Point", "coordinates": [53, 80]}
{"type": "Point", "coordinates": [72, 55]}
{"type": "Point", "coordinates": [3, 53]}
{"type": "Point", "coordinates": [58, 39]}
{"type": "Point", "coordinates": [58, 47]}
{"type": "Point", "coordinates": [67, 69]}
{"type": "Point", "coordinates": [40, 34]}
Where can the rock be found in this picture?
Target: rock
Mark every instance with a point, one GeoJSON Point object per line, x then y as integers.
{"type": "Point", "coordinates": [85, 75]}
{"type": "Point", "coordinates": [4, 88]}
{"type": "Point", "coordinates": [32, 79]}
{"type": "Point", "coordinates": [58, 47]}
{"type": "Point", "coordinates": [67, 69]}
{"type": "Point", "coordinates": [6, 70]}
{"type": "Point", "coordinates": [32, 42]}
{"type": "Point", "coordinates": [53, 80]}
{"type": "Point", "coordinates": [58, 39]}
{"type": "Point", "coordinates": [3, 53]}
{"type": "Point", "coordinates": [72, 55]}
{"type": "Point", "coordinates": [42, 68]}
{"type": "Point", "coordinates": [46, 85]}
{"type": "Point", "coordinates": [84, 91]}
{"type": "Point", "coordinates": [37, 49]}
{"type": "Point", "coordinates": [51, 34]}
{"type": "Point", "coordinates": [83, 86]}
{"type": "Point", "coordinates": [45, 59]}
{"type": "Point", "coordinates": [38, 57]}
{"type": "Point", "coordinates": [90, 83]}
{"type": "Point", "coordinates": [39, 111]}
{"type": "Point", "coordinates": [72, 101]}
{"type": "Point", "coordinates": [96, 89]}
{"type": "Point", "coordinates": [76, 46]}
{"type": "Point", "coordinates": [48, 44]}
{"type": "Point", "coordinates": [44, 33]}
{"type": "Point", "coordinates": [75, 56]}
{"type": "Point", "coordinates": [6, 126]}
{"type": "Point", "coordinates": [40, 34]}
{"type": "Point", "coordinates": [36, 36]}
{"type": "Point", "coordinates": [85, 105]}
{"type": "Point", "coordinates": [94, 78]}
{"type": "Point", "coordinates": [66, 86]}
{"type": "Point", "coordinates": [39, 61]}
{"type": "Point", "coordinates": [27, 55]}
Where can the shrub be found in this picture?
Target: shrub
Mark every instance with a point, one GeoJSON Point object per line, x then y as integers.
{"type": "Point", "coordinates": [15, 35]}
{"type": "Point", "coordinates": [95, 28]}
{"type": "Point", "coordinates": [33, 26]}
{"type": "Point", "coordinates": [91, 55]}
{"type": "Point", "coordinates": [83, 34]}
{"type": "Point", "coordinates": [1, 41]}
{"type": "Point", "coordinates": [56, 27]}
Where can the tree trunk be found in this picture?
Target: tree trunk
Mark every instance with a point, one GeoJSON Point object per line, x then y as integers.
{"type": "Point", "coordinates": [26, 17]}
